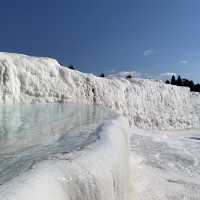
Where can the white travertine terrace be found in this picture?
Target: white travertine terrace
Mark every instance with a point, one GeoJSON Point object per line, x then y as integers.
{"type": "Point", "coordinates": [146, 103]}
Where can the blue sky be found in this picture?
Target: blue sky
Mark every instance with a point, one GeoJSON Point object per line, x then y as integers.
{"type": "Point", "coordinates": [149, 36]}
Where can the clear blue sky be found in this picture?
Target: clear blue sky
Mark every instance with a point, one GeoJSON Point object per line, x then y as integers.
{"type": "Point", "coordinates": [150, 36]}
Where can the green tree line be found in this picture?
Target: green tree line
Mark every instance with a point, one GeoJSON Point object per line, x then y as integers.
{"type": "Point", "coordinates": [185, 83]}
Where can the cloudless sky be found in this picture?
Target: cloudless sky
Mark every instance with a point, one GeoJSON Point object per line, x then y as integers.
{"type": "Point", "coordinates": [149, 36]}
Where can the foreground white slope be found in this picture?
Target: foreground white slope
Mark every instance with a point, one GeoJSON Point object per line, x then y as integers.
{"type": "Point", "coordinates": [165, 165]}
{"type": "Point", "coordinates": [83, 155]}
{"type": "Point", "coordinates": [147, 104]}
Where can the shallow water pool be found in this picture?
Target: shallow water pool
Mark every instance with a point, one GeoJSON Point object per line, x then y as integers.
{"type": "Point", "coordinates": [33, 133]}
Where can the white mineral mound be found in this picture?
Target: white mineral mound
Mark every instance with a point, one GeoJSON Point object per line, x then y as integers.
{"type": "Point", "coordinates": [146, 103]}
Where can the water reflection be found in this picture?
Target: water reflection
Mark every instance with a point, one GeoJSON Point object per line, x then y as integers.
{"type": "Point", "coordinates": [30, 133]}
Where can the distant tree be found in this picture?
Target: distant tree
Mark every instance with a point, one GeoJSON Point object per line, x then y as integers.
{"type": "Point", "coordinates": [129, 76]}
{"type": "Point", "coordinates": [167, 82]}
{"type": "Point", "coordinates": [188, 83]}
{"type": "Point", "coordinates": [179, 81]}
{"type": "Point", "coordinates": [173, 80]}
{"type": "Point", "coordinates": [197, 88]}
{"type": "Point", "coordinates": [71, 67]}
{"type": "Point", "coordinates": [191, 85]}
{"type": "Point", "coordinates": [185, 83]}
{"type": "Point", "coordinates": [102, 75]}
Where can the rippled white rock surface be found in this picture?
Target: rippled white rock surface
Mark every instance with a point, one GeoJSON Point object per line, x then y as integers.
{"type": "Point", "coordinates": [146, 103]}
{"type": "Point", "coordinates": [62, 152]}
{"type": "Point", "coordinates": [165, 165]}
